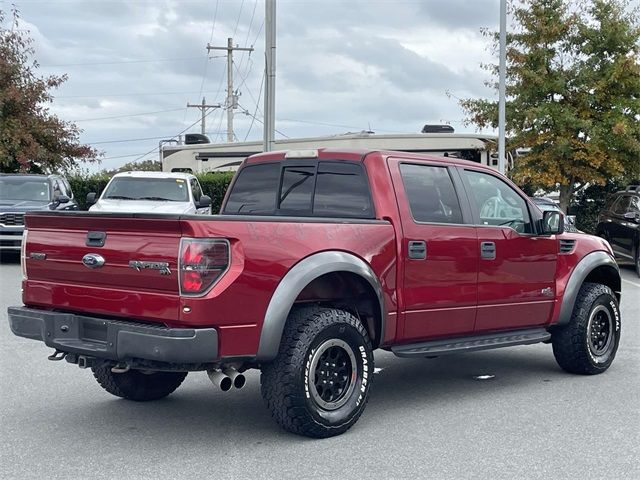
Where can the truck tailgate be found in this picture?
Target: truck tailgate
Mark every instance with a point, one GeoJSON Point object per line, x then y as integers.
{"type": "Point", "coordinates": [58, 277]}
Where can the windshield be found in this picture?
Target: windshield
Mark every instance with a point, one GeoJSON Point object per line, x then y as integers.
{"type": "Point", "coordinates": [24, 188]}
{"type": "Point", "coordinates": [160, 189]}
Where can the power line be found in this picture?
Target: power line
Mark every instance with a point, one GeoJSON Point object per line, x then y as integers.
{"type": "Point", "coordinates": [206, 60]}
{"type": "Point", "coordinates": [253, 14]}
{"type": "Point", "coordinates": [125, 141]}
{"type": "Point", "coordinates": [176, 135]}
{"type": "Point", "coordinates": [246, 112]}
{"type": "Point", "coordinates": [117, 62]}
{"type": "Point", "coordinates": [238, 20]}
{"type": "Point", "coordinates": [132, 94]}
{"type": "Point", "coordinates": [253, 117]}
{"type": "Point", "coordinates": [125, 116]}
{"type": "Point", "coordinates": [120, 156]}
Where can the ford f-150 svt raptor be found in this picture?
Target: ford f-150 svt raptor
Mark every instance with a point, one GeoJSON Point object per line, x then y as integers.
{"type": "Point", "coordinates": [316, 259]}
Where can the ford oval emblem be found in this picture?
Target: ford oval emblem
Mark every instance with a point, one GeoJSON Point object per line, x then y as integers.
{"type": "Point", "coordinates": [93, 260]}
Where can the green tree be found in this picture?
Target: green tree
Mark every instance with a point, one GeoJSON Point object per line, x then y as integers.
{"type": "Point", "coordinates": [149, 165]}
{"type": "Point", "coordinates": [573, 93]}
{"type": "Point", "coordinates": [32, 139]}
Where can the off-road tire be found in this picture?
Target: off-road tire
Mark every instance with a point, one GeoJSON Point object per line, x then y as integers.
{"type": "Point", "coordinates": [571, 345]}
{"type": "Point", "coordinates": [287, 382]}
{"type": "Point", "coordinates": [136, 385]}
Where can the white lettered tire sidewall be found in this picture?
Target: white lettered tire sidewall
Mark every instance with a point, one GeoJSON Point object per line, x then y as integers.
{"type": "Point", "coordinates": [611, 305]}
{"type": "Point", "coordinates": [364, 370]}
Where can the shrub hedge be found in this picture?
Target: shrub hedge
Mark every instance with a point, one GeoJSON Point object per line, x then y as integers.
{"type": "Point", "coordinates": [213, 184]}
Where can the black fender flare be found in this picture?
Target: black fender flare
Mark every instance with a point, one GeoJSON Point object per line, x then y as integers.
{"type": "Point", "coordinates": [296, 279]}
{"type": "Point", "coordinates": [579, 274]}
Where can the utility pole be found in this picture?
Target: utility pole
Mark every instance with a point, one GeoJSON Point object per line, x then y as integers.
{"type": "Point", "coordinates": [232, 97]}
{"type": "Point", "coordinates": [502, 88]}
{"type": "Point", "coordinates": [270, 75]}
{"type": "Point", "coordinates": [203, 109]}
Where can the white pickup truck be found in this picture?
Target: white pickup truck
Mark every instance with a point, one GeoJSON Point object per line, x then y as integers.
{"type": "Point", "coordinates": [152, 192]}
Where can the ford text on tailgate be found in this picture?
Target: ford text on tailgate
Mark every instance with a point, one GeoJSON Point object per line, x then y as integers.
{"type": "Point", "coordinates": [317, 259]}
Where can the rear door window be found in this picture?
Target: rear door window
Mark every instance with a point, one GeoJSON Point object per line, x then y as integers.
{"type": "Point", "coordinates": [431, 194]}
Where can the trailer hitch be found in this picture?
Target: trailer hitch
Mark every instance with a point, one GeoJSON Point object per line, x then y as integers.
{"type": "Point", "coordinates": [57, 356]}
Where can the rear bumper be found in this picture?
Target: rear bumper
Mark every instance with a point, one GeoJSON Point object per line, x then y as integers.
{"type": "Point", "coordinates": [113, 339]}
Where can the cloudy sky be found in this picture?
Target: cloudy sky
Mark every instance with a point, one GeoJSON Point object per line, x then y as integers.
{"type": "Point", "coordinates": [133, 65]}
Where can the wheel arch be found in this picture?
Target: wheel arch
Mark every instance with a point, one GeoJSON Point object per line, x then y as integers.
{"type": "Point", "coordinates": [329, 268]}
{"type": "Point", "coordinates": [596, 267]}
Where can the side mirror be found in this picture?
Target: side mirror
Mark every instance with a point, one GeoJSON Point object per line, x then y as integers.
{"type": "Point", "coordinates": [633, 216]}
{"type": "Point", "coordinates": [205, 201]}
{"type": "Point", "coordinates": [62, 199]}
{"type": "Point", "coordinates": [552, 222]}
{"type": "Point", "coordinates": [91, 198]}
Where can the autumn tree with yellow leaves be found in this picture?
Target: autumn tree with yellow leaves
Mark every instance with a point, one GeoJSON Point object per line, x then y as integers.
{"type": "Point", "coordinates": [573, 93]}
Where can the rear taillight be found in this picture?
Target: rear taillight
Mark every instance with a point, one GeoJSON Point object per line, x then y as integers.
{"type": "Point", "coordinates": [202, 262]}
{"type": "Point", "coordinates": [23, 254]}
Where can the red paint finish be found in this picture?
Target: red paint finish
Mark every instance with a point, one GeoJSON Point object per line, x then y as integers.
{"type": "Point", "coordinates": [452, 292]}
{"type": "Point", "coordinates": [439, 292]}
{"type": "Point", "coordinates": [517, 288]}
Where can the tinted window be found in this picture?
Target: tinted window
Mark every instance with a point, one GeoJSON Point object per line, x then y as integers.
{"type": "Point", "coordinates": [297, 189]}
{"type": "Point", "coordinates": [634, 205]}
{"type": "Point", "coordinates": [431, 194]}
{"type": "Point", "coordinates": [254, 191]}
{"type": "Point", "coordinates": [622, 205]}
{"type": "Point", "coordinates": [497, 203]}
{"type": "Point", "coordinates": [341, 191]}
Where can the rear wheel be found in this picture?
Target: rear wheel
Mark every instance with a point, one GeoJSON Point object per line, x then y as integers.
{"type": "Point", "coordinates": [318, 385]}
{"type": "Point", "coordinates": [138, 385]}
{"type": "Point", "coordinates": [588, 343]}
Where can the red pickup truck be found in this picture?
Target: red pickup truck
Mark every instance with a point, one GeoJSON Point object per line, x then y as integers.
{"type": "Point", "coordinates": [317, 258]}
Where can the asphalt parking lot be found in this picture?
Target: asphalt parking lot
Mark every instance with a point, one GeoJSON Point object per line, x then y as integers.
{"type": "Point", "coordinates": [425, 419]}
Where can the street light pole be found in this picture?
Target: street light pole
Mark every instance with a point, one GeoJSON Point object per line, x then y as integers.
{"type": "Point", "coordinates": [270, 75]}
{"type": "Point", "coordinates": [502, 87]}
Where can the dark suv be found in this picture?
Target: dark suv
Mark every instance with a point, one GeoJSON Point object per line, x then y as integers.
{"type": "Point", "coordinates": [619, 223]}
{"type": "Point", "coordinates": [22, 193]}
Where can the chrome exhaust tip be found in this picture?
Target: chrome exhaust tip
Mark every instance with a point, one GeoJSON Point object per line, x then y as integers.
{"type": "Point", "coordinates": [220, 380]}
{"type": "Point", "coordinates": [238, 379]}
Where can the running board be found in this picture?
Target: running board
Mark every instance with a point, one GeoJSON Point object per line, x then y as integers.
{"type": "Point", "coordinates": [472, 344]}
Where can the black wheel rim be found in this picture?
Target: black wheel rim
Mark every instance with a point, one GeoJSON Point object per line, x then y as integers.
{"type": "Point", "coordinates": [600, 331]}
{"type": "Point", "coordinates": [333, 372]}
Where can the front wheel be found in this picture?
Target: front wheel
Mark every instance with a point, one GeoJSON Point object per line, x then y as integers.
{"type": "Point", "coordinates": [318, 385]}
{"type": "Point", "coordinates": [588, 343]}
{"type": "Point", "coordinates": [138, 385]}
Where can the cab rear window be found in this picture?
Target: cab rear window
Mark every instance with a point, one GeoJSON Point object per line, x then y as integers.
{"type": "Point", "coordinates": [319, 189]}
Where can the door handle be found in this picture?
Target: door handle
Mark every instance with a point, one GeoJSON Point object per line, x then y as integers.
{"type": "Point", "coordinates": [488, 250]}
{"type": "Point", "coordinates": [417, 250]}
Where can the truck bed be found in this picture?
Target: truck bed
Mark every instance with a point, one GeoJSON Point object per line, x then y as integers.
{"type": "Point", "coordinates": [262, 250]}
